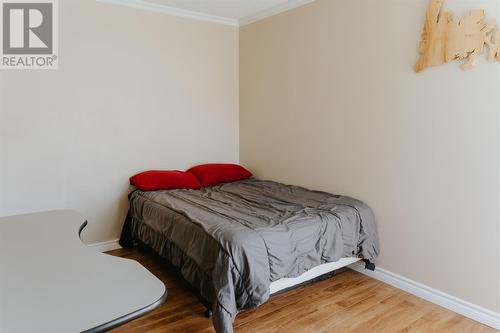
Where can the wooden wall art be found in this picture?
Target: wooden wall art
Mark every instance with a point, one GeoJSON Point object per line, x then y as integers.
{"type": "Point", "coordinates": [445, 39]}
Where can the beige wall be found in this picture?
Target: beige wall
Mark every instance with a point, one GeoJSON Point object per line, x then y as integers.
{"type": "Point", "coordinates": [328, 100]}
{"type": "Point", "coordinates": [135, 90]}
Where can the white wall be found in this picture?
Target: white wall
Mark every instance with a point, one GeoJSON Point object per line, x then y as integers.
{"type": "Point", "coordinates": [328, 100]}
{"type": "Point", "coordinates": [135, 90]}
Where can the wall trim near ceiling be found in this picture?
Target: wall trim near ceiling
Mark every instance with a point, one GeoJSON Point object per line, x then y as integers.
{"type": "Point", "coordinates": [455, 304]}
{"type": "Point", "coordinates": [273, 11]}
{"type": "Point", "coordinates": [154, 7]}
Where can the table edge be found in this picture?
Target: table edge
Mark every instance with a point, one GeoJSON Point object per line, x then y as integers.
{"type": "Point", "coordinates": [128, 317]}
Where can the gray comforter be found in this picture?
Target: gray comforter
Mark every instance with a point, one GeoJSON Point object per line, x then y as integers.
{"type": "Point", "coordinates": [232, 240]}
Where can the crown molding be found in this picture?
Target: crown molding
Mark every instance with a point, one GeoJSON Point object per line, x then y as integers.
{"type": "Point", "coordinates": [292, 4]}
{"type": "Point", "coordinates": [153, 7]}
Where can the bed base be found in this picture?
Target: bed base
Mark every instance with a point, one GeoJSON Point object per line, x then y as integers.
{"type": "Point", "coordinates": [310, 275]}
{"type": "Point", "coordinates": [316, 274]}
{"type": "Point", "coordinates": [326, 276]}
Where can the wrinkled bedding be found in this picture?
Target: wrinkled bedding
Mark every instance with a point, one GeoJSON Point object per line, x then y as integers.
{"type": "Point", "coordinates": [232, 240]}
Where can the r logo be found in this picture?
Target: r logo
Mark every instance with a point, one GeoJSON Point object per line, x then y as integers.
{"type": "Point", "coordinates": [29, 34]}
{"type": "Point", "coordinates": [27, 28]}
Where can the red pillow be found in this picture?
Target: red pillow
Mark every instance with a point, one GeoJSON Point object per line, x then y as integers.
{"type": "Point", "coordinates": [213, 174]}
{"type": "Point", "coordinates": [164, 180]}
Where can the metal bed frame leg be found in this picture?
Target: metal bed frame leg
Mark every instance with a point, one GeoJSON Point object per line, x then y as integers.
{"type": "Point", "coordinates": [369, 265]}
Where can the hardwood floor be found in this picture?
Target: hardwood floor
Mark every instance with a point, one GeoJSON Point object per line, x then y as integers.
{"type": "Point", "coordinates": [348, 302]}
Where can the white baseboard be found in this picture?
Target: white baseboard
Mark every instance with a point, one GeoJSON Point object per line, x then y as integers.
{"type": "Point", "coordinates": [460, 306]}
{"type": "Point", "coordinates": [106, 246]}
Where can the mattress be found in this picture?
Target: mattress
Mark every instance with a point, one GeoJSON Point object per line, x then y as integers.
{"type": "Point", "coordinates": [233, 240]}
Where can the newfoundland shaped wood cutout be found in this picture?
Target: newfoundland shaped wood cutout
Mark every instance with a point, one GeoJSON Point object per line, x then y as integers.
{"type": "Point", "coordinates": [445, 39]}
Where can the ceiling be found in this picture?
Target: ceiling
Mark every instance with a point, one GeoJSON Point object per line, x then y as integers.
{"type": "Point", "coordinates": [232, 12]}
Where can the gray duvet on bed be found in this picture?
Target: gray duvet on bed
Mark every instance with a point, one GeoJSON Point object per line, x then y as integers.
{"type": "Point", "coordinates": [232, 240]}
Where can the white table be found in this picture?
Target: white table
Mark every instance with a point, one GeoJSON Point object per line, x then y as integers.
{"type": "Point", "coordinates": [51, 282]}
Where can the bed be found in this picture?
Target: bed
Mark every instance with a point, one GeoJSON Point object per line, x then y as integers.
{"type": "Point", "coordinates": [239, 242]}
